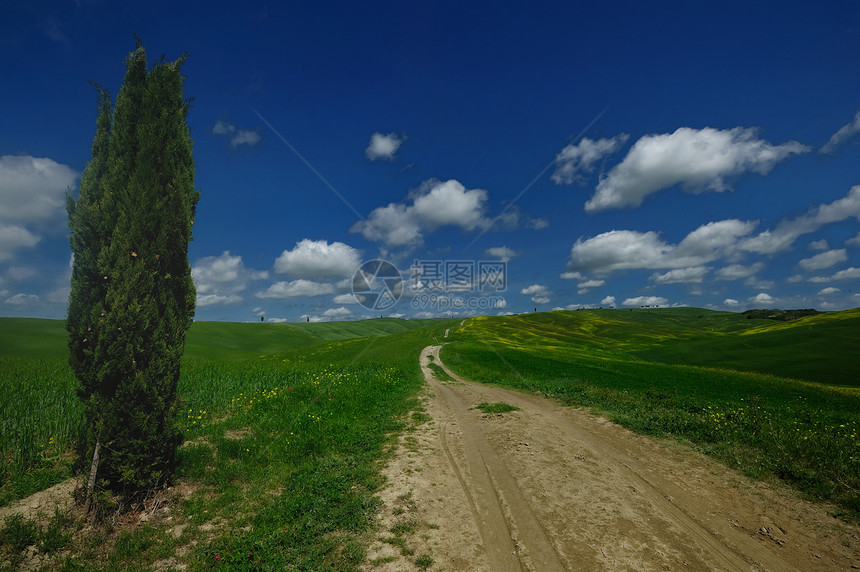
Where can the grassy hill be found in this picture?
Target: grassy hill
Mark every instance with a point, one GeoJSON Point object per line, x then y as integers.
{"type": "Point", "coordinates": [209, 340]}
{"type": "Point", "coordinates": [820, 348]}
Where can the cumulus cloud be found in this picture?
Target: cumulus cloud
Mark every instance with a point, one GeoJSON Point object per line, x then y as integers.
{"type": "Point", "coordinates": [819, 244]}
{"type": "Point", "coordinates": [788, 230]}
{"type": "Point", "coordinates": [630, 249]}
{"type": "Point", "coordinates": [824, 260]}
{"type": "Point", "coordinates": [435, 204]}
{"type": "Point", "coordinates": [730, 302]}
{"type": "Point", "coordinates": [22, 300]}
{"type": "Point", "coordinates": [608, 301]}
{"type": "Point", "coordinates": [591, 284]}
{"type": "Point", "coordinates": [645, 301]}
{"type": "Point", "coordinates": [738, 271]}
{"type": "Point", "coordinates": [847, 274]}
{"type": "Point", "coordinates": [235, 135]}
{"type": "Point", "coordinates": [698, 159]}
{"type": "Point", "coordinates": [217, 299]}
{"type": "Point", "coordinates": [219, 279]}
{"type": "Point", "coordinates": [844, 133]}
{"type": "Point", "coordinates": [540, 294]}
{"type": "Point", "coordinates": [319, 260]}
{"type": "Point", "coordinates": [33, 189]}
{"type": "Point", "coordinates": [828, 291]}
{"type": "Point", "coordinates": [576, 159]}
{"type": "Point", "coordinates": [762, 298]}
{"type": "Point", "coordinates": [384, 146]}
{"type": "Point", "coordinates": [337, 313]}
{"type": "Point", "coordinates": [348, 298]}
{"type": "Point", "coordinates": [503, 253]}
{"type": "Point", "coordinates": [695, 274]}
{"type": "Point", "coordinates": [13, 238]}
{"type": "Point", "coordinates": [855, 241]}
{"type": "Point", "coordinates": [296, 288]}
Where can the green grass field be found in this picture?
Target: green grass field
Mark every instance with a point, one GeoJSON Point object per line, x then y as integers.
{"type": "Point", "coordinates": [284, 429]}
{"type": "Point", "coordinates": [285, 424]}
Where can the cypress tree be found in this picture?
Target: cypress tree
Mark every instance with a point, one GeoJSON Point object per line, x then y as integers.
{"type": "Point", "coordinates": [132, 296]}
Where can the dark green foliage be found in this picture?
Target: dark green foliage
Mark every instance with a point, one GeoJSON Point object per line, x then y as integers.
{"type": "Point", "coordinates": [132, 296]}
{"type": "Point", "coordinates": [781, 315]}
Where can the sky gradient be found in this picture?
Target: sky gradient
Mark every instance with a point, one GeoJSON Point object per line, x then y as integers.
{"type": "Point", "coordinates": [620, 155]}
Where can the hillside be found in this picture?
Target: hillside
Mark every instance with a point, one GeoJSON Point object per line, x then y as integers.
{"type": "Point", "coordinates": [209, 340]}
{"type": "Point", "coordinates": [819, 348]}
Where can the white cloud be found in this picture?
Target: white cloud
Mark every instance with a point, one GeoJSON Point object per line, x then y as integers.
{"type": "Point", "coordinates": [435, 204]}
{"type": "Point", "coordinates": [317, 259]}
{"type": "Point", "coordinates": [645, 301]}
{"type": "Point", "coordinates": [828, 291]}
{"type": "Point", "coordinates": [629, 249]}
{"type": "Point", "coordinates": [844, 133]}
{"type": "Point", "coordinates": [223, 274]}
{"type": "Point", "coordinates": [572, 275]}
{"type": "Point", "coordinates": [730, 302]}
{"type": "Point", "coordinates": [247, 137]}
{"type": "Point", "coordinates": [787, 231]}
{"type": "Point", "coordinates": [847, 274]}
{"type": "Point", "coordinates": [22, 300]}
{"type": "Point", "coordinates": [503, 253]}
{"type": "Point", "coordinates": [296, 288]}
{"type": "Point", "coordinates": [349, 298]}
{"type": "Point", "coordinates": [223, 128]}
{"type": "Point", "coordinates": [695, 274]}
{"type": "Point", "coordinates": [737, 271]}
{"type": "Point", "coordinates": [698, 159]}
{"type": "Point", "coordinates": [383, 146]}
{"type": "Point", "coordinates": [591, 284]}
{"type": "Point", "coordinates": [824, 260]}
{"type": "Point", "coordinates": [762, 298]}
{"type": "Point", "coordinates": [855, 241]}
{"type": "Point", "coordinates": [337, 312]}
{"type": "Point", "coordinates": [14, 237]}
{"type": "Point", "coordinates": [540, 294]}
{"type": "Point", "coordinates": [33, 189]}
{"type": "Point", "coordinates": [819, 244]}
{"type": "Point", "coordinates": [582, 157]}
{"type": "Point", "coordinates": [237, 137]}
{"type": "Point", "coordinates": [608, 301]}
{"type": "Point", "coordinates": [213, 299]}
{"type": "Point", "coordinates": [219, 279]}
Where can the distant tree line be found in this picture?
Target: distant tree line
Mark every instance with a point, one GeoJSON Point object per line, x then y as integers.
{"type": "Point", "coordinates": [781, 315]}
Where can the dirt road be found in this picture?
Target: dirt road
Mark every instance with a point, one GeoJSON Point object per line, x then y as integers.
{"type": "Point", "coordinates": [550, 488]}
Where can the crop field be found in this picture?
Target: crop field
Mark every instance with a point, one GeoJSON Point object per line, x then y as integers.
{"type": "Point", "coordinates": [280, 460]}
{"type": "Point", "coordinates": [706, 378]}
{"type": "Point", "coordinates": [286, 424]}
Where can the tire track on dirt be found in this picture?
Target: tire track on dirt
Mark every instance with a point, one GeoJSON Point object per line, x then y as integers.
{"type": "Point", "coordinates": [549, 487]}
{"type": "Point", "coordinates": [515, 538]}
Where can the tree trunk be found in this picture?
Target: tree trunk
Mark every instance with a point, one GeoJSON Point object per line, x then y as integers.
{"type": "Point", "coordinates": [91, 483]}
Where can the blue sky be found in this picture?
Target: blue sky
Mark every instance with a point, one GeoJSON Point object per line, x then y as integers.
{"type": "Point", "coordinates": [611, 154]}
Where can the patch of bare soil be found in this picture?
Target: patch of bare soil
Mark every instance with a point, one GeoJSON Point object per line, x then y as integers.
{"type": "Point", "coordinates": [550, 487]}
{"type": "Point", "coordinates": [44, 502]}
